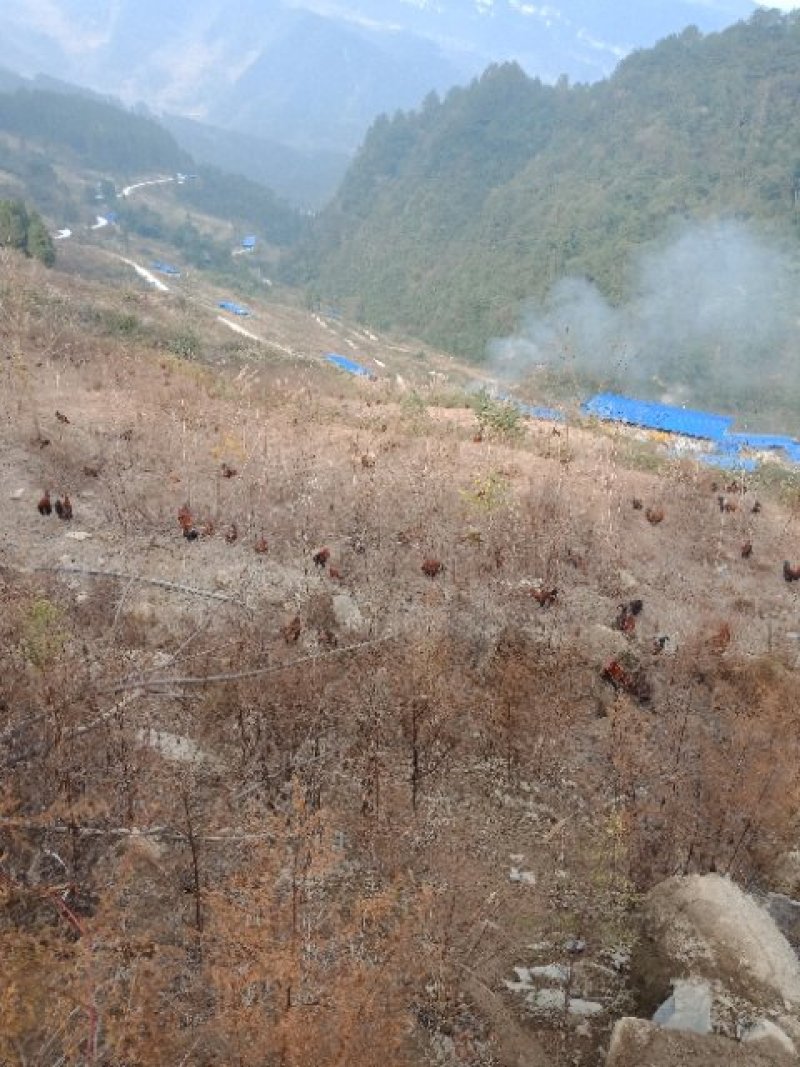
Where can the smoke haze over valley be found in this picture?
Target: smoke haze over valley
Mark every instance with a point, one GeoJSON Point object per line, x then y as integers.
{"type": "Point", "coordinates": [714, 316]}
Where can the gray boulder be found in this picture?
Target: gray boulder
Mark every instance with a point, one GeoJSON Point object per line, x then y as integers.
{"type": "Point", "coordinates": [639, 1043]}
{"type": "Point", "coordinates": [707, 927]}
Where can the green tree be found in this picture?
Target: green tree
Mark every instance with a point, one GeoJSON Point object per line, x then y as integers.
{"type": "Point", "coordinates": [39, 243]}
{"type": "Point", "coordinates": [13, 224]}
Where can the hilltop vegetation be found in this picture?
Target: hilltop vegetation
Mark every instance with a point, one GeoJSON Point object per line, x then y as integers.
{"type": "Point", "coordinates": [451, 217]}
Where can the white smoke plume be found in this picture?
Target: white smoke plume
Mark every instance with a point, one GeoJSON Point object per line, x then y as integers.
{"type": "Point", "coordinates": [714, 320]}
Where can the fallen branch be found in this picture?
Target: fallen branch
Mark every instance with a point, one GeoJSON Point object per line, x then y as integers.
{"type": "Point", "coordinates": [162, 833]}
{"type": "Point", "coordinates": [162, 583]}
{"type": "Point", "coordinates": [148, 684]}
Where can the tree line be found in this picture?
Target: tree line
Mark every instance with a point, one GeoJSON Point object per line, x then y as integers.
{"type": "Point", "coordinates": [451, 217]}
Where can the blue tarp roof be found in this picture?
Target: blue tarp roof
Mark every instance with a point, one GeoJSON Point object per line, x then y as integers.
{"type": "Point", "coordinates": [165, 268]}
{"type": "Point", "coordinates": [728, 446]}
{"type": "Point", "coordinates": [349, 365]}
{"type": "Point", "coordinates": [665, 417]}
{"type": "Point", "coordinates": [249, 241]}
{"type": "Point", "coordinates": [236, 309]}
{"type": "Point", "coordinates": [761, 441]}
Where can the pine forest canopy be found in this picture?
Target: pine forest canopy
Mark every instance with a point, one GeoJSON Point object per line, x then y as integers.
{"type": "Point", "coordinates": [452, 217]}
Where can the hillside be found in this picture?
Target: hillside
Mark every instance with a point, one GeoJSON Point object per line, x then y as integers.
{"type": "Point", "coordinates": [453, 217]}
{"type": "Point", "coordinates": [309, 743]}
{"type": "Point", "coordinates": [72, 156]}
{"type": "Point", "coordinates": [306, 180]}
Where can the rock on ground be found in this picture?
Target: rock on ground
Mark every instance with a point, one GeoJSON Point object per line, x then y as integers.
{"type": "Point", "coordinates": [707, 927]}
{"type": "Point", "coordinates": [639, 1043]}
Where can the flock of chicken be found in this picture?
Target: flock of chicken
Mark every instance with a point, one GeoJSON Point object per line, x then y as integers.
{"type": "Point", "coordinates": [623, 677]}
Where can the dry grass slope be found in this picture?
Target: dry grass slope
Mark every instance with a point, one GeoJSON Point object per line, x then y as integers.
{"type": "Point", "coordinates": [258, 808]}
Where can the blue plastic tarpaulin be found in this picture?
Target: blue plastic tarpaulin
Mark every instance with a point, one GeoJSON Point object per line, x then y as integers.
{"type": "Point", "coordinates": [667, 417]}
{"type": "Point", "coordinates": [235, 309]}
{"type": "Point", "coordinates": [165, 268]}
{"type": "Point", "coordinates": [249, 241]}
{"type": "Point", "coordinates": [348, 365]}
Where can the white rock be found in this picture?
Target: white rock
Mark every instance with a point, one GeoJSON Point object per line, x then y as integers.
{"type": "Point", "coordinates": [553, 972]}
{"type": "Point", "coordinates": [769, 1032]}
{"type": "Point", "coordinates": [347, 612]}
{"type": "Point", "coordinates": [18, 494]}
{"type": "Point", "coordinates": [705, 926]}
{"type": "Point", "coordinates": [689, 1007]}
{"type": "Point", "coordinates": [174, 747]}
{"type": "Point", "coordinates": [78, 535]}
{"type": "Point", "coordinates": [524, 877]}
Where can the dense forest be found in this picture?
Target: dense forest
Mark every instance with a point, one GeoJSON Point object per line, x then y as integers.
{"type": "Point", "coordinates": [451, 217]}
{"type": "Point", "coordinates": [97, 133]}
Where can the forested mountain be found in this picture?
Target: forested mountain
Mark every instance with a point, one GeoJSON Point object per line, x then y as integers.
{"type": "Point", "coordinates": [90, 137]}
{"type": "Point", "coordinates": [307, 179]}
{"type": "Point", "coordinates": [95, 132]}
{"type": "Point", "coordinates": [452, 216]}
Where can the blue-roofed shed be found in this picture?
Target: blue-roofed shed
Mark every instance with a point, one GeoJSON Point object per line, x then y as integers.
{"type": "Point", "coordinates": [686, 421]}
{"type": "Point", "coordinates": [235, 309]}
{"type": "Point", "coordinates": [249, 241]}
{"type": "Point", "coordinates": [165, 268]}
{"type": "Point", "coordinates": [348, 365]}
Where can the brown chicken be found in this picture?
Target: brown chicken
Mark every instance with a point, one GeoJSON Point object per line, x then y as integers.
{"type": "Point", "coordinates": [291, 631]}
{"type": "Point", "coordinates": [636, 504]}
{"type": "Point", "coordinates": [228, 472]}
{"type": "Point", "coordinates": [231, 534]}
{"type": "Point", "coordinates": [185, 517]}
{"type": "Point", "coordinates": [626, 616]}
{"type": "Point", "coordinates": [321, 557]}
{"type": "Point", "coordinates": [720, 638]}
{"type": "Point", "coordinates": [726, 506]}
{"type": "Point", "coordinates": [187, 523]}
{"type": "Point", "coordinates": [545, 597]}
{"type": "Point", "coordinates": [756, 508]}
{"type": "Point", "coordinates": [747, 549]}
{"type": "Point", "coordinates": [790, 573]}
{"type": "Point", "coordinates": [64, 508]}
{"type": "Point", "coordinates": [633, 683]}
{"type": "Point", "coordinates": [335, 573]}
{"type": "Point", "coordinates": [432, 567]}
{"type": "Point", "coordinates": [654, 515]}
{"type": "Point", "coordinates": [44, 505]}
{"type": "Point", "coordinates": [261, 546]}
